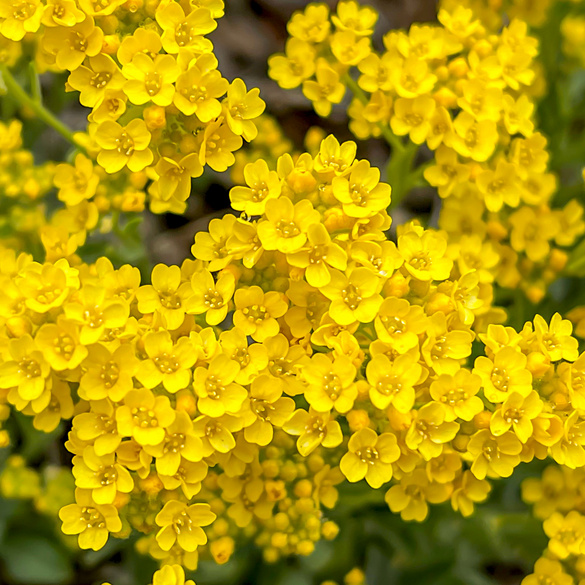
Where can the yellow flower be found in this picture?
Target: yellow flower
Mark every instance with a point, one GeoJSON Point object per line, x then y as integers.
{"type": "Point", "coordinates": [311, 25]}
{"type": "Point", "coordinates": [98, 427]}
{"type": "Point", "coordinates": [548, 570]}
{"type": "Point", "coordinates": [76, 183]}
{"type": "Point", "coordinates": [331, 383]}
{"type": "Point", "coordinates": [218, 144]}
{"type": "Point", "coordinates": [499, 186]}
{"type": "Point", "coordinates": [166, 295]}
{"type": "Point", "coordinates": [424, 255]}
{"type": "Point", "coordinates": [318, 255]}
{"type": "Point", "coordinates": [361, 194]}
{"type": "Point", "coordinates": [256, 312]}
{"type": "Point", "coordinates": [180, 445]}
{"type": "Point", "coordinates": [447, 172]}
{"type": "Point", "coordinates": [410, 496]}
{"type": "Point", "coordinates": [123, 146]}
{"type": "Point", "coordinates": [412, 78]}
{"type": "Point", "coordinates": [286, 224]}
{"type": "Point", "coordinates": [216, 389]}
{"type": "Point", "coordinates": [517, 412]}
{"type": "Point", "coordinates": [199, 87]}
{"type": "Point", "coordinates": [60, 344]}
{"type": "Point", "coordinates": [268, 410]}
{"type": "Point", "coordinates": [430, 430]}
{"type": "Point", "coordinates": [474, 139]}
{"type": "Point", "coordinates": [28, 371]}
{"type": "Point", "coordinates": [399, 324]}
{"type": "Point", "coordinates": [63, 13]}
{"type": "Point", "coordinates": [296, 65]}
{"type": "Point", "coordinates": [392, 382]}
{"type": "Point", "coordinates": [151, 79]}
{"type": "Point", "coordinates": [95, 313]}
{"type": "Point", "coordinates": [182, 524]}
{"type": "Point", "coordinates": [20, 18]}
{"type": "Point", "coordinates": [109, 374]}
{"type": "Point", "coordinates": [555, 340]}
{"type": "Point", "coordinates": [262, 185]}
{"type": "Point", "coordinates": [180, 30]}
{"type": "Point", "coordinates": [370, 456]}
{"type": "Point", "coordinates": [467, 491]}
{"type": "Point", "coordinates": [211, 246]}
{"type": "Point", "coordinates": [102, 476]}
{"type": "Point", "coordinates": [47, 286]}
{"type": "Point", "coordinates": [169, 363]}
{"type": "Point", "coordinates": [351, 16]}
{"type": "Point", "coordinates": [355, 297]}
{"type": "Point", "coordinates": [144, 417]}
{"type": "Point", "coordinates": [94, 80]}
{"type": "Point", "coordinates": [170, 575]}
{"type": "Point", "coordinates": [72, 44]}
{"type": "Point", "coordinates": [210, 297]}
{"type": "Point", "coordinates": [413, 117]}
{"type": "Point", "coordinates": [326, 90]}
{"type": "Point", "coordinates": [313, 429]}
{"type": "Point", "coordinates": [348, 48]}
{"type": "Point", "coordinates": [566, 534]}
{"type": "Point", "coordinates": [241, 107]}
{"type": "Point", "coordinates": [494, 456]}
{"type": "Point", "coordinates": [92, 522]}
{"type": "Point", "coordinates": [458, 393]}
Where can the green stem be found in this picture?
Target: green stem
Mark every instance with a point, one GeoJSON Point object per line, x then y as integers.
{"type": "Point", "coordinates": [23, 99]}
{"type": "Point", "coordinates": [400, 174]}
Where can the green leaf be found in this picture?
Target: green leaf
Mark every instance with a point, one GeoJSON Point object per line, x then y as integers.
{"type": "Point", "coordinates": [32, 560]}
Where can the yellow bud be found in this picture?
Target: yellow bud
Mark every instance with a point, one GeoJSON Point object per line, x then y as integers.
{"type": "Point", "coordinates": [301, 181]}
{"type": "Point", "coordinates": [155, 118]}
{"type": "Point", "coordinates": [482, 419]}
{"type": "Point", "coordinates": [221, 527]}
{"type": "Point", "coordinates": [557, 259]}
{"type": "Point", "coordinates": [110, 45]}
{"type": "Point", "coordinates": [271, 555]}
{"type": "Point", "coordinates": [305, 505]}
{"type": "Point", "coordinates": [4, 438]}
{"type": "Point", "coordinates": [18, 326]}
{"type": "Point", "coordinates": [315, 462]}
{"type": "Point", "coordinates": [355, 577]}
{"type": "Point", "coordinates": [151, 485]}
{"type": "Point", "coordinates": [222, 549]}
{"type": "Point", "coordinates": [303, 488]}
{"type": "Point", "coordinates": [279, 540]}
{"type": "Point", "coordinates": [496, 230]}
{"type": "Point", "coordinates": [167, 149]}
{"type": "Point", "coordinates": [329, 530]}
{"type": "Point", "coordinates": [535, 293]}
{"type": "Point", "coordinates": [188, 144]}
{"type": "Point", "coordinates": [281, 521]}
{"type": "Point", "coordinates": [483, 48]}
{"type": "Point", "coordinates": [187, 402]}
{"type": "Point", "coordinates": [458, 67]}
{"type": "Point", "coordinates": [305, 548]}
{"type": "Point", "coordinates": [445, 97]}
{"type": "Point", "coordinates": [270, 468]}
{"type": "Point", "coordinates": [357, 419]}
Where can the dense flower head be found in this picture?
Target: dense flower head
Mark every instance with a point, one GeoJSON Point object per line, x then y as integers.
{"type": "Point", "coordinates": [157, 101]}
{"type": "Point", "coordinates": [236, 396]}
{"type": "Point", "coordinates": [195, 387]}
{"type": "Point", "coordinates": [465, 87]}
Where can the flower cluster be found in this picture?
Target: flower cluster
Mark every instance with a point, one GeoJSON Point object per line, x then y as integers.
{"type": "Point", "coordinates": [558, 501]}
{"type": "Point", "coordinates": [298, 327]}
{"type": "Point", "coordinates": [23, 187]}
{"type": "Point", "coordinates": [158, 102]}
{"type": "Point", "coordinates": [467, 95]}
